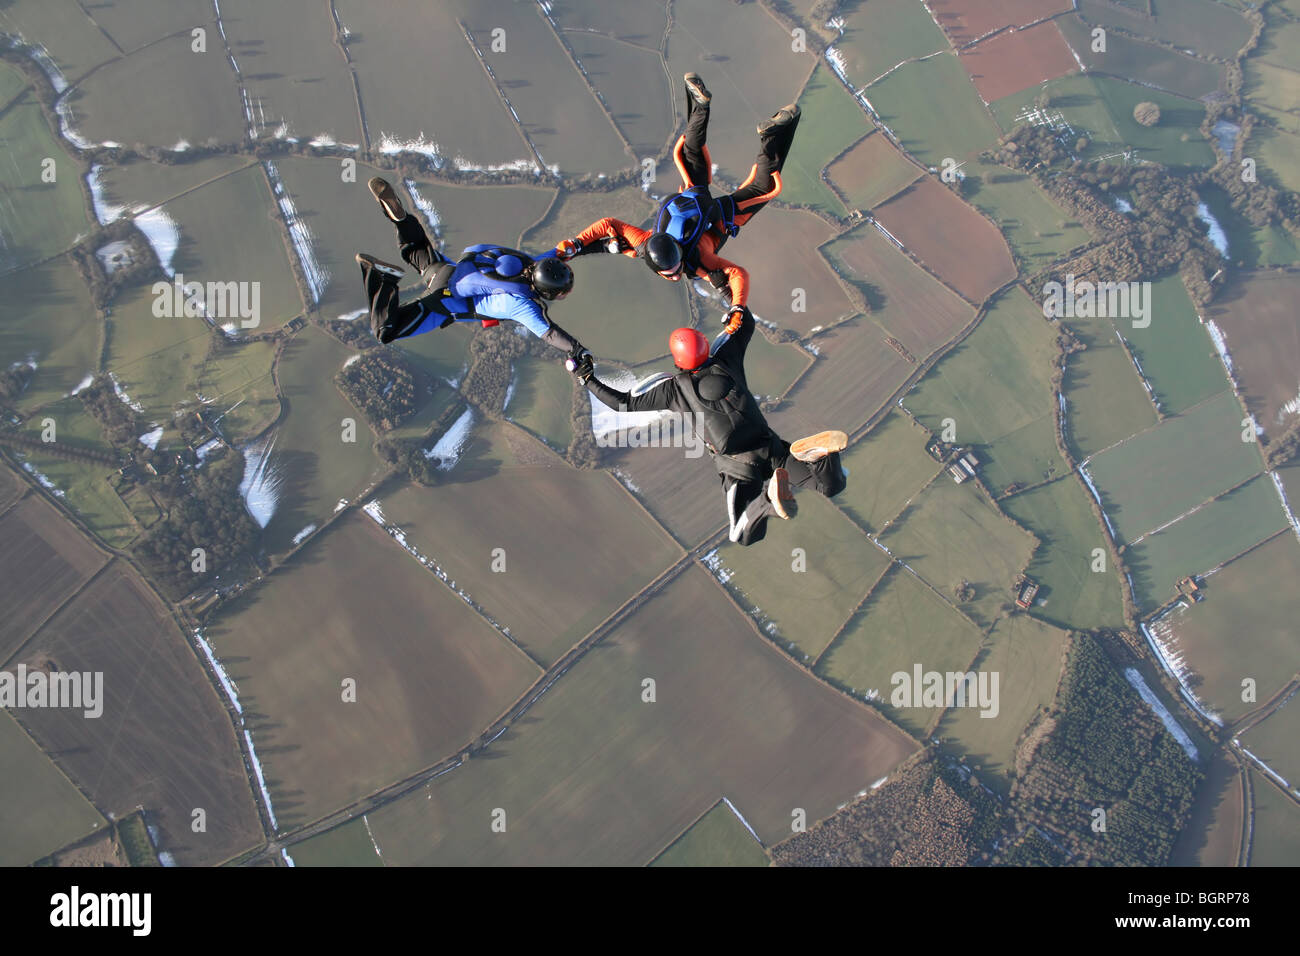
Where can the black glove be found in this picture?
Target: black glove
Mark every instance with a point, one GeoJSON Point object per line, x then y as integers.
{"type": "Point", "coordinates": [718, 279]}
{"type": "Point", "coordinates": [581, 365]}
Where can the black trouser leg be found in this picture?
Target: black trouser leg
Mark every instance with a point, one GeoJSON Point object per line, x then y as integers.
{"type": "Point", "coordinates": [748, 509]}
{"type": "Point", "coordinates": [392, 319]}
{"type": "Point", "coordinates": [773, 148]}
{"type": "Point", "coordinates": [695, 166]}
{"type": "Point", "coordinates": [414, 243]}
{"type": "Point", "coordinates": [825, 476]}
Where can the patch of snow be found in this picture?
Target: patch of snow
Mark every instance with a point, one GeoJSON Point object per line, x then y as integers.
{"type": "Point", "coordinates": [1218, 238]}
{"type": "Point", "coordinates": [1133, 677]}
{"type": "Point", "coordinates": [45, 481]}
{"type": "Point", "coordinates": [389, 145]}
{"type": "Point", "coordinates": [1123, 205]}
{"type": "Point", "coordinates": [303, 242]}
{"type": "Point", "coordinates": [110, 256]}
{"type": "Point", "coordinates": [260, 487]}
{"type": "Point", "coordinates": [301, 535]}
{"type": "Point", "coordinates": [1220, 343]}
{"type": "Point", "coordinates": [83, 384]}
{"type": "Point", "coordinates": [150, 439]}
{"type": "Point", "coordinates": [1226, 134]}
{"type": "Point", "coordinates": [122, 394]}
{"type": "Point", "coordinates": [351, 359]}
{"type": "Point", "coordinates": [431, 217]}
{"type": "Point", "coordinates": [163, 234]}
{"type": "Point", "coordinates": [207, 448]}
{"type": "Point", "coordinates": [450, 446]}
{"type": "Point", "coordinates": [105, 211]}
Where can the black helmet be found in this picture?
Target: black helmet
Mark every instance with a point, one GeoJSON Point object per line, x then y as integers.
{"type": "Point", "coordinates": [663, 253]}
{"type": "Point", "coordinates": [552, 279]}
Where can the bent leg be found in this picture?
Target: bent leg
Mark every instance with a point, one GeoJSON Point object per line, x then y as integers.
{"type": "Point", "coordinates": [748, 509]}
{"type": "Point", "coordinates": [390, 318]}
{"type": "Point", "coordinates": [415, 247]}
{"type": "Point", "coordinates": [691, 154]}
{"type": "Point", "coordinates": [825, 476]}
{"type": "Point", "coordinates": [764, 182]}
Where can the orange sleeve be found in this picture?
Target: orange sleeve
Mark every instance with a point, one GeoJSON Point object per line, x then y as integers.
{"type": "Point", "coordinates": [609, 227]}
{"type": "Point", "coordinates": [737, 278]}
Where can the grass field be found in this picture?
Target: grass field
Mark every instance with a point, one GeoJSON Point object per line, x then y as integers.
{"type": "Point", "coordinates": [779, 249]}
{"type": "Point", "coordinates": [542, 401]}
{"type": "Point", "coordinates": [771, 368]}
{"type": "Point", "coordinates": [240, 375]}
{"type": "Point", "coordinates": [140, 184]}
{"type": "Point", "coordinates": [348, 845]}
{"type": "Point", "coordinates": [716, 839]}
{"type": "Point", "coordinates": [1105, 400]}
{"type": "Point", "coordinates": [1038, 231]}
{"type": "Point", "coordinates": [871, 172]}
{"type": "Point", "coordinates": [40, 810]}
{"type": "Point", "coordinates": [1257, 315]}
{"type": "Point", "coordinates": [640, 24]}
{"type": "Point", "coordinates": [1275, 741]}
{"type": "Point", "coordinates": [1015, 60]}
{"type": "Point", "coordinates": [1276, 831]}
{"type": "Point", "coordinates": [134, 23]}
{"type": "Point", "coordinates": [916, 309]}
{"type": "Point", "coordinates": [1213, 29]}
{"type": "Point", "coordinates": [1072, 594]}
{"type": "Point", "coordinates": [164, 740]}
{"type": "Point", "coordinates": [430, 673]}
{"type": "Point", "coordinates": [11, 487]}
{"type": "Point", "coordinates": [996, 388]}
{"type": "Point", "coordinates": [38, 219]}
{"type": "Point", "coordinates": [316, 466]}
{"type": "Point", "coordinates": [879, 34]}
{"type": "Point", "coordinates": [64, 30]}
{"type": "Point", "coordinates": [1274, 92]}
{"type": "Point", "coordinates": [902, 624]}
{"type": "Point", "coordinates": [592, 774]}
{"type": "Point", "coordinates": [684, 496]}
{"type": "Point", "coordinates": [950, 533]}
{"type": "Point", "coordinates": [632, 83]}
{"type": "Point", "coordinates": [1143, 62]}
{"type": "Point", "coordinates": [970, 254]}
{"type": "Point", "coordinates": [1027, 656]}
{"type": "Point", "coordinates": [444, 356]}
{"type": "Point", "coordinates": [804, 607]}
{"type": "Point", "coordinates": [835, 121]}
{"type": "Point", "coordinates": [1213, 835]}
{"type": "Point", "coordinates": [933, 109]}
{"type": "Point", "coordinates": [1159, 474]}
{"type": "Point", "coordinates": [886, 469]}
{"type": "Point", "coordinates": [1273, 151]}
{"type": "Point", "coordinates": [45, 561]}
{"type": "Point", "coordinates": [1175, 352]}
{"type": "Point", "coordinates": [52, 325]}
{"type": "Point", "coordinates": [1218, 651]}
{"type": "Point", "coordinates": [967, 20]}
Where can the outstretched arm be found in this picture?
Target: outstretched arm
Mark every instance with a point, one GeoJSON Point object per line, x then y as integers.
{"type": "Point", "coordinates": [731, 353]}
{"type": "Point", "coordinates": [660, 398]}
{"type": "Point", "coordinates": [595, 237]}
{"type": "Point", "coordinates": [737, 277]}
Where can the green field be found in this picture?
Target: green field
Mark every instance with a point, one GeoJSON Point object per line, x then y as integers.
{"type": "Point", "coordinates": [1276, 832]}
{"type": "Point", "coordinates": [141, 184]}
{"type": "Point", "coordinates": [237, 379]}
{"type": "Point", "coordinates": [1219, 652]}
{"type": "Point", "coordinates": [543, 401]}
{"type": "Point", "coordinates": [1204, 540]}
{"type": "Point", "coordinates": [348, 845]}
{"type": "Point", "coordinates": [1026, 655]}
{"type": "Point", "coordinates": [902, 624]}
{"type": "Point", "coordinates": [1213, 29]}
{"type": "Point", "coordinates": [592, 774]}
{"type": "Point", "coordinates": [996, 388]}
{"type": "Point", "coordinates": [317, 467]}
{"type": "Point", "coordinates": [951, 533]}
{"type": "Point", "coordinates": [70, 36]}
{"type": "Point", "coordinates": [771, 368]}
{"type": "Point", "coordinates": [872, 171]}
{"type": "Point", "coordinates": [1276, 741]}
{"type": "Point", "coordinates": [1072, 594]}
{"type": "Point", "coordinates": [12, 82]}
{"type": "Point", "coordinates": [839, 122]}
{"type": "Point", "coordinates": [1105, 400]}
{"type": "Point", "coordinates": [1274, 151]}
{"type": "Point", "coordinates": [1280, 42]}
{"type": "Point", "coordinates": [1156, 476]}
{"type": "Point", "coordinates": [429, 672]}
{"type": "Point", "coordinates": [155, 359]}
{"type": "Point", "coordinates": [716, 839]}
{"type": "Point", "coordinates": [886, 469]}
{"type": "Point", "coordinates": [632, 83]}
{"type": "Point", "coordinates": [1274, 93]}
{"type": "Point", "coordinates": [1038, 231]}
{"type": "Point", "coordinates": [444, 356]}
{"type": "Point", "coordinates": [880, 34]}
{"type": "Point", "coordinates": [933, 109]}
{"type": "Point", "coordinates": [40, 810]}
{"type": "Point", "coordinates": [50, 322]}
{"type": "Point", "coordinates": [38, 219]}
{"type": "Point", "coordinates": [807, 607]}
{"type": "Point", "coordinates": [134, 24]}
{"type": "Point", "coordinates": [1175, 351]}
{"type": "Point", "coordinates": [1142, 62]}
{"type": "Point", "coordinates": [575, 533]}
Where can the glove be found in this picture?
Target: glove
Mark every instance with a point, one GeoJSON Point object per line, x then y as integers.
{"type": "Point", "coordinates": [566, 249]}
{"type": "Point", "coordinates": [581, 365]}
{"type": "Point", "coordinates": [734, 319]}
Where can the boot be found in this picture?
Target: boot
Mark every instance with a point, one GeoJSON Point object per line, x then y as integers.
{"type": "Point", "coordinates": [816, 447]}
{"type": "Point", "coordinates": [386, 196]}
{"type": "Point", "coordinates": [779, 493]}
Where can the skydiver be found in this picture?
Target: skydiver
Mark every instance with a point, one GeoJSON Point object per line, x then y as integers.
{"type": "Point", "coordinates": [692, 226]}
{"type": "Point", "coordinates": [758, 469]}
{"type": "Point", "coordinates": [487, 284]}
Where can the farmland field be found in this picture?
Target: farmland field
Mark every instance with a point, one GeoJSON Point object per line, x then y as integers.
{"type": "Point", "coordinates": [467, 215]}
{"type": "Point", "coordinates": [772, 367]}
{"type": "Point", "coordinates": [1257, 316]}
{"type": "Point", "coordinates": [1213, 835]}
{"type": "Point", "coordinates": [911, 304]}
{"type": "Point", "coordinates": [835, 122]}
{"type": "Point", "coordinates": [1276, 741]}
{"type": "Point", "coordinates": [903, 623]}
{"type": "Point", "coordinates": [1276, 825]}
{"type": "Point", "coordinates": [970, 254]}
{"type": "Point", "coordinates": [44, 562]}
{"type": "Point", "coordinates": [64, 30]}
{"type": "Point", "coordinates": [430, 673]}
{"type": "Point", "coordinates": [1159, 474]}
{"type": "Point", "coordinates": [1274, 151]}
{"type": "Point", "coordinates": [1204, 539]}
{"type": "Point", "coordinates": [886, 469]}
{"type": "Point", "coordinates": [967, 20]}
{"type": "Point", "coordinates": [566, 532]}
{"type": "Point", "coordinates": [1010, 62]}
{"type": "Point", "coordinates": [1071, 594]}
{"type": "Point", "coordinates": [934, 110]}
{"type": "Point", "coordinates": [133, 23]}
{"type": "Point", "coordinates": [164, 740]}
{"type": "Point", "coordinates": [1142, 62]}
{"type": "Point", "coordinates": [240, 375]}
{"type": "Point", "coordinates": [995, 386]}
{"type": "Point", "coordinates": [732, 717]}
{"type": "Point", "coordinates": [632, 82]}
{"type": "Point", "coordinates": [640, 24]}
{"type": "Point", "coordinates": [138, 185]}
{"type": "Point", "coordinates": [1038, 231]}
{"type": "Point", "coordinates": [347, 845]}
{"type": "Point", "coordinates": [1213, 29]}
{"type": "Point", "coordinates": [684, 496]}
{"type": "Point", "coordinates": [872, 171]}
{"type": "Point", "coordinates": [50, 323]}
{"type": "Point", "coordinates": [11, 488]}
{"type": "Point", "coordinates": [951, 533]}
{"type": "Point", "coordinates": [1105, 400]}
{"type": "Point", "coordinates": [716, 839]}
{"type": "Point", "coordinates": [804, 607]}
{"type": "Point", "coordinates": [883, 33]}
{"type": "Point", "coordinates": [1220, 653]}
{"type": "Point", "coordinates": [1027, 656]}
{"type": "Point", "coordinates": [1273, 92]}
{"type": "Point", "coordinates": [40, 811]}
{"type": "Point", "coordinates": [542, 401]}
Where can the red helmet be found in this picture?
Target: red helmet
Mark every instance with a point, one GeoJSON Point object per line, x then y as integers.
{"type": "Point", "coordinates": [690, 349]}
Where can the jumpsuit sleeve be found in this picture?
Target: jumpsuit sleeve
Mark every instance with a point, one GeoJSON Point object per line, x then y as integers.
{"type": "Point", "coordinates": [731, 353]}
{"type": "Point", "coordinates": [593, 237]}
{"type": "Point", "coordinates": [514, 308]}
{"type": "Point", "coordinates": [737, 277]}
{"type": "Point", "coordinates": [660, 398]}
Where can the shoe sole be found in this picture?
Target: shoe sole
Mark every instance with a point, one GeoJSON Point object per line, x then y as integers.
{"type": "Point", "coordinates": [386, 196]}
{"type": "Point", "coordinates": [769, 125]}
{"type": "Point", "coordinates": [697, 89]}
{"type": "Point", "coordinates": [816, 447]}
{"type": "Point", "coordinates": [778, 492]}
{"type": "Point", "coordinates": [387, 268]}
